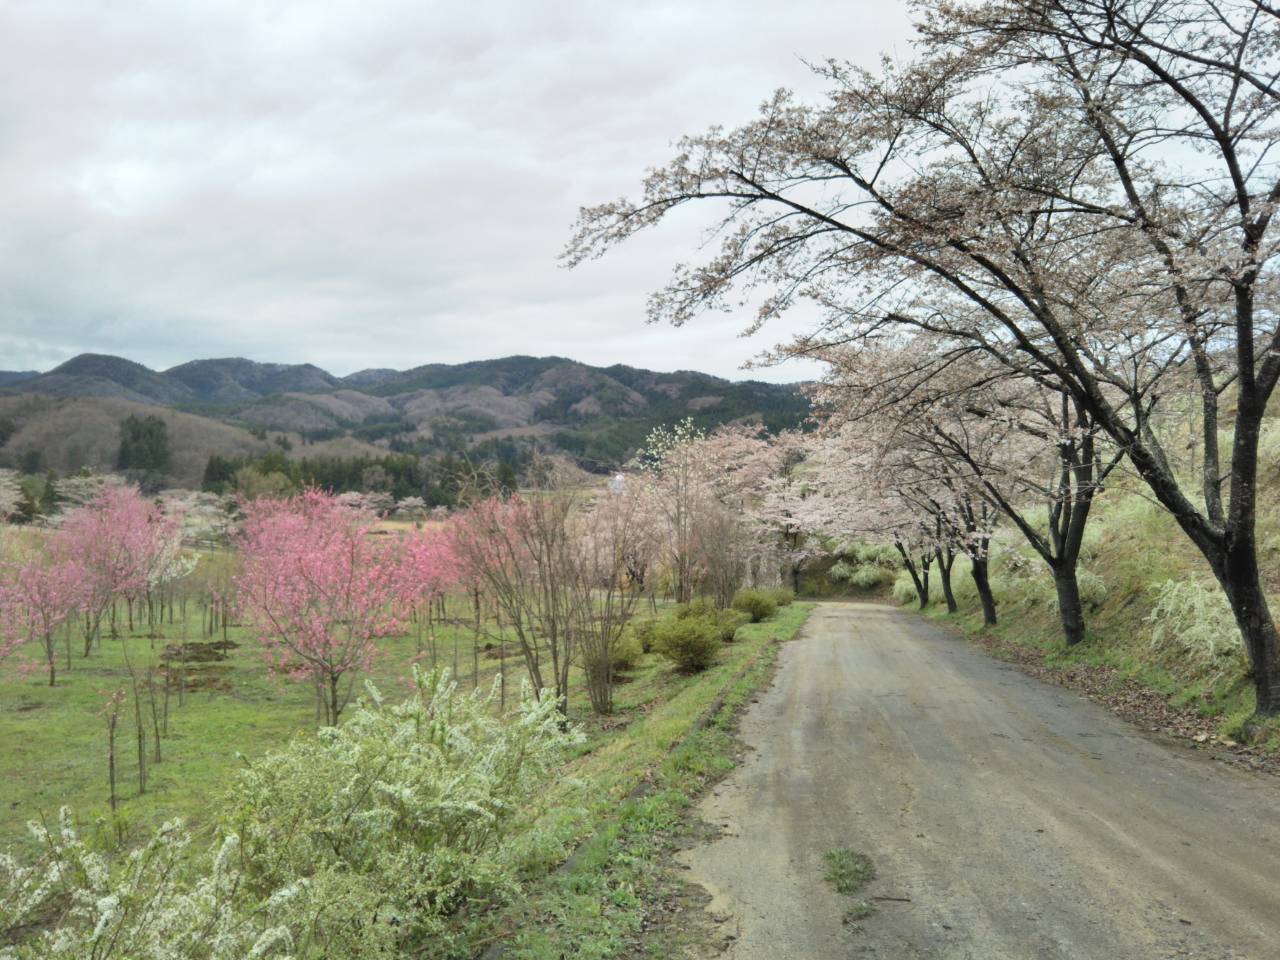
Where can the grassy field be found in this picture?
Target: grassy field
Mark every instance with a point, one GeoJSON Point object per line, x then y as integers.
{"type": "Point", "coordinates": [232, 711]}
{"type": "Point", "coordinates": [54, 738]}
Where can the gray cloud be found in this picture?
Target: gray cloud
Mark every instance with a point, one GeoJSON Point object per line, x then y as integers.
{"type": "Point", "coordinates": [369, 183]}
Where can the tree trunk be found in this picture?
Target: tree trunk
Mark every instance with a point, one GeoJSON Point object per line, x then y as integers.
{"type": "Point", "coordinates": [1242, 583]}
{"type": "Point", "coordinates": [333, 700]}
{"type": "Point", "coordinates": [1070, 609]}
{"type": "Point", "coordinates": [982, 582]}
{"type": "Point", "coordinates": [921, 585]}
{"type": "Point", "coordinates": [944, 573]}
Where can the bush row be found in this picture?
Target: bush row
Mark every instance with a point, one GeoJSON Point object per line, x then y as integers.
{"type": "Point", "coordinates": [690, 635]}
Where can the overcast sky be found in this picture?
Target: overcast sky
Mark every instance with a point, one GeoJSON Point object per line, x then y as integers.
{"type": "Point", "coordinates": [370, 183]}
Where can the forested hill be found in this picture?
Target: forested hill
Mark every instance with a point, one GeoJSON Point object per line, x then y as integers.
{"type": "Point", "coordinates": [70, 416]}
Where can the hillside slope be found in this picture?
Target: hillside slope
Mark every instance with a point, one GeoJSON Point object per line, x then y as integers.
{"type": "Point", "coordinates": [598, 416]}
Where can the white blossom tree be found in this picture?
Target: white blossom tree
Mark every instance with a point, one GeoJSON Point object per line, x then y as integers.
{"type": "Point", "coordinates": [1081, 190]}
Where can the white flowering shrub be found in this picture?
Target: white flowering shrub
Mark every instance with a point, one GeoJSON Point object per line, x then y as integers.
{"type": "Point", "coordinates": [74, 903]}
{"type": "Point", "coordinates": [358, 841]}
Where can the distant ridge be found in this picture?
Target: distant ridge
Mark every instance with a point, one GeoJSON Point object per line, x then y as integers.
{"type": "Point", "coordinates": [596, 415]}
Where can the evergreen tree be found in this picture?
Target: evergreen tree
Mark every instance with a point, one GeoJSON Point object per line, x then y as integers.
{"type": "Point", "coordinates": [144, 444]}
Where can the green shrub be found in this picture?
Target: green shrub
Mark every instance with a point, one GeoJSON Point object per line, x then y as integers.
{"type": "Point", "coordinates": [869, 568]}
{"type": "Point", "coordinates": [729, 621]}
{"type": "Point", "coordinates": [877, 555]}
{"type": "Point", "coordinates": [626, 652]}
{"type": "Point", "coordinates": [691, 643]}
{"type": "Point", "coordinates": [704, 608]}
{"type": "Point", "coordinates": [697, 607]}
{"type": "Point", "coordinates": [641, 628]}
{"type": "Point", "coordinates": [841, 571]}
{"type": "Point", "coordinates": [757, 604]}
{"type": "Point", "coordinates": [783, 596]}
{"type": "Point", "coordinates": [869, 577]}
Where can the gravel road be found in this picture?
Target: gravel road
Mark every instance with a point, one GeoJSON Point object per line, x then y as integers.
{"type": "Point", "coordinates": [1018, 820]}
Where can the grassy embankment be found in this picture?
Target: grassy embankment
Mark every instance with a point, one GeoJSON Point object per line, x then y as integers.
{"type": "Point", "coordinates": [1133, 548]}
{"type": "Point", "coordinates": [627, 796]}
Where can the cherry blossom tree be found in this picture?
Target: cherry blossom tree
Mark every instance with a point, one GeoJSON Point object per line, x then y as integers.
{"type": "Point", "coordinates": [318, 590]}
{"type": "Point", "coordinates": [1080, 190]}
{"type": "Point", "coordinates": [118, 541]}
{"type": "Point", "coordinates": [610, 542]}
{"type": "Point", "coordinates": [848, 495]}
{"type": "Point", "coordinates": [678, 476]}
{"type": "Point", "coordinates": [774, 506]}
{"type": "Point", "coordinates": [701, 491]}
{"type": "Point", "coordinates": [980, 438]}
{"type": "Point", "coordinates": [38, 593]}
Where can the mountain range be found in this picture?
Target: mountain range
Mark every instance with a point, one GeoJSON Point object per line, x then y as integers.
{"type": "Point", "coordinates": [236, 407]}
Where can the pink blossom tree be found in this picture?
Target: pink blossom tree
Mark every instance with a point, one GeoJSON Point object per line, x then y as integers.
{"type": "Point", "coordinates": [118, 540]}
{"type": "Point", "coordinates": [317, 589]}
{"type": "Point", "coordinates": [38, 594]}
{"type": "Point", "coordinates": [1082, 187]}
{"type": "Point", "coordinates": [427, 566]}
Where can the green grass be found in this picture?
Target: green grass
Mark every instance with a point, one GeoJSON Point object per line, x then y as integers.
{"type": "Point", "coordinates": [619, 801]}
{"type": "Point", "coordinates": [54, 738]}
{"type": "Point", "coordinates": [848, 871]}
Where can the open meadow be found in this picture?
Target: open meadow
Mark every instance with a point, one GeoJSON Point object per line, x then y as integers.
{"type": "Point", "coordinates": [216, 705]}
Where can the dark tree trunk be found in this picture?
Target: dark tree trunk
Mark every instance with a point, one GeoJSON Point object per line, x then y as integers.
{"type": "Point", "coordinates": [919, 577]}
{"type": "Point", "coordinates": [1070, 609]}
{"type": "Point", "coordinates": [982, 581]}
{"type": "Point", "coordinates": [334, 707]}
{"type": "Point", "coordinates": [1243, 585]}
{"type": "Point", "coordinates": [944, 573]}
{"type": "Point", "coordinates": [922, 581]}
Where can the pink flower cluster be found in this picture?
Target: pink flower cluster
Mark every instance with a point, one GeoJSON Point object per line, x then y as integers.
{"type": "Point", "coordinates": [319, 584]}
{"type": "Point", "coordinates": [111, 547]}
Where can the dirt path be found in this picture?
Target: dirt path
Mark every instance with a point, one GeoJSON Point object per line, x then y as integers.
{"type": "Point", "coordinates": [1022, 821]}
